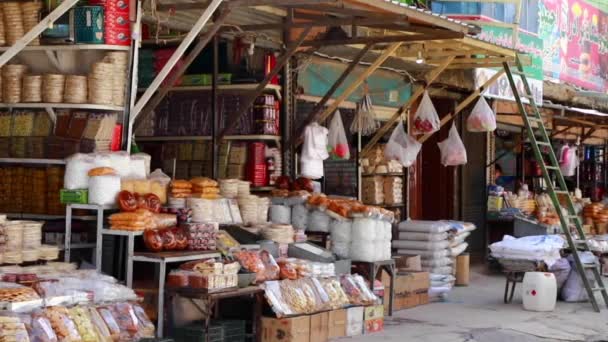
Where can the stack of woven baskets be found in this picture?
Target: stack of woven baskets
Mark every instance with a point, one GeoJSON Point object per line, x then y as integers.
{"type": "Point", "coordinates": [120, 60]}
{"type": "Point", "coordinates": [12, 75]}
{"type": "Point", "coordinates": [100, 83]}
{"type": "Point", "coordinates": [17, 19]}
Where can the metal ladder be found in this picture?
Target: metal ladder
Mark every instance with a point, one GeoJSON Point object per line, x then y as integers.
{"type": "Point", "coordinates": [538, 138]}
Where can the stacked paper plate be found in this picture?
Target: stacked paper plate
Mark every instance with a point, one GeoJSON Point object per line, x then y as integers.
{"type": "Point", "coordinates": [52, 88]}
{"type": "Point", "coordinates": [75, 89]}
{"type": "Point", "coordinates": [32, 88]}
{"type": "Point", "coordinates": [101, 81]}
{"type": "Point", "coordinates": [48, 252]}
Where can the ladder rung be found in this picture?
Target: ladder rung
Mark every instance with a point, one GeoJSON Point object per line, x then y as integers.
{"type": "Point", "coordinates": [562, 192]}
{"type": "Point", "coordinates": [543, 143]}
{"type": "Point", "coordinates": [590, 266]}
{"type": "Point", "coordinates": [549, 167]}
{"type": "Point", "coordinates": [534, 119]}
{"type": "Point", "coordinates": [597, 289]}
{"type": "Point", "coordinates": [576, 217]}
{"type": "Point", "coordinates": [527, 96]}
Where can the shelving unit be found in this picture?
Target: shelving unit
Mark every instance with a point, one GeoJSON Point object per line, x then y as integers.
{"type": "Point", "coordinates": [262, 137]}
{"type": "Point", "coordinates": [26, 216]}
{"type": "Point", "coordinates": [99, 217]}
{"type": "Point", "coordinates": [63, 106]}
{"type": "Point", "coordinates": [162, 259]}
{"type": "Point", "coordinates": [32, 161]}
{"type": "Point", "coordinates": [70, 47]}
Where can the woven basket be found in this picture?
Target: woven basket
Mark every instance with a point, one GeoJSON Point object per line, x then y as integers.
{"type": "Point", "coordinates": [32, 88]}
{"type": "Point", "coordinates": [76, 89]}
{"type": "Point", "coordinates": [11, 82]}
{"type": "Point", "coordinates": [2, 31]}
{"type": "Point", "coordinates": [13, 21]}
{"type": "Point", "coordinates": [100, 83]}
{"type": "Point", "coordinates": [52, 88]}
{"type": "Point", "coordinates": [31, 17]}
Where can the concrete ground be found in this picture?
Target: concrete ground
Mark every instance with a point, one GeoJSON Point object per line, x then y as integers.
{"type": "Point", "coordinates": [477, 314]}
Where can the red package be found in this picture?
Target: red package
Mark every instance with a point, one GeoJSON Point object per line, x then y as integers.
{"type": "Point", "coordinates": [118, 36]}
{"type": "Point", "coordinates": [117, 20]}
{"type": "Point", "coordinates": [116, 6]}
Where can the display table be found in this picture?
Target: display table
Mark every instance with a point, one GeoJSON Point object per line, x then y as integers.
{"type": "Point", "coordinates": [162, 259]}
{"type": "Point", "coordinates": [99, 217]}
{"type": "Point", "coordinates": [214, 297]}
{"type": "Point", "coordinates": [374, 268]}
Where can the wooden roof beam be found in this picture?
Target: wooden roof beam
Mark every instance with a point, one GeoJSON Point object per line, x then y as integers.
{"type": "Point", "coordinates": [384, 39]}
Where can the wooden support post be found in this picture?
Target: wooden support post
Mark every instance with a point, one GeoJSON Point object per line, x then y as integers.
{"type": "Point", "coordinates": [179, 52]}
{"type": "Point", "coordinates": [417, 94]}
{"type": "Point", "coordinates": [462, 105]}
{"type": "Point", "coordinates": [588, 134]}
{"type": "Point", "coordinates": [233, 119]}
{"type": "Point", "coordinates": [555, 133]}
{"type": "Point", "coordinates": [36, 31]}
{"type": "Point", "coordinates": [194, 53]}
{"type": "Point", "coordinates": [317, 108]}
{"type": "Point", "coordinates": [360, 79]}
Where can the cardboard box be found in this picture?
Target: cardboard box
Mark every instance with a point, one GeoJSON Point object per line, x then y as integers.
{"type": "Point", "coordinates": [402, 302]}
{"type": "Point", "coordinates": [337, 323]}
{"type": "Point", "coordinates": [294, 329]}
{"type": "Point", "coordinates": [410, 263]}
{"type": "Point", "coordinates": [373, 312]}
{"type": "Point", "coordinates": [319, 327]}
{"type": "Point", "coordinates": [354, 321]}
{"type": "Point", "coordinates": [412, 282]}
{"type": "Point", "coordinates": [373, 325]}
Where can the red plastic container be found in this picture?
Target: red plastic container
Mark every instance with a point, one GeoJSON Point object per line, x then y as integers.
{"type": "Point", "coordinates": [116, 6]}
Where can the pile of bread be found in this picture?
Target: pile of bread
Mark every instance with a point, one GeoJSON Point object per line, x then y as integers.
{"type": "Point", "coordinates": [199, 187]}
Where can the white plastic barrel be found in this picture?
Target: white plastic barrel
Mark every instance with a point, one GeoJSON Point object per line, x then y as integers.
{"type": "Point", "coordinates": [540, 291]}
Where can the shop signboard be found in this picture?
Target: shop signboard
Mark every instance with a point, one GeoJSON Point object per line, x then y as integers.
{"type": "Point", "coordinates": [575, 35]}
{"type": "Point", "coordinates": [527, 44]}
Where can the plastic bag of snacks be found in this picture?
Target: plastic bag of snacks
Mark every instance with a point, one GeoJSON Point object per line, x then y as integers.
{"type": "Point", "coordinates": [452, 149]}
{"type": "Point", "coordinates": [82, 319]}
{"type": "Point", "coordinates": [102, 329]}
{"type": "Point", "coordinates": [40, 328]}
{"type": "Point", "coordinates": [426, 119]}
{"type": "Point", "coordinates": [335, 293]}
{"type": "Point", "coordinates": [402, 147]}
{"type": "Point", "coordinates": [62, 324]}
{"type": "Point", "coordinates": [260, 262]}
{"type": "Point", "coordinates": [482, 117]}
{"type": "Point", "coordinates": [146, 327]}
{"type": "Point", "coordinates": [337, 142]}
{"type": "Point", "coordinates": [110, 322]}
{"type": "Point", "coordinates": [324, 302]}
{"type": "Point", "coordinates": [366, 294]}
{"type": "Point", "coordinates": [288, 269]}
{"type": "Point", "coordinates": [295, 297]}
{"type": "Point", "coordinates": [274, 295]}
{"type": "Point", "coordinates": [126, 319]}
{"type": "Point", "coordinates": [352, 290]}
{"type": "Point", "coordinates": [12, 329]}
{"type": "Point", "coordinates": [271, 268]}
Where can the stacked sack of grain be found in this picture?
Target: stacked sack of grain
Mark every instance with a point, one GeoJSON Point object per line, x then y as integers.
{"type": "Point", "coordinates": [438, 243]}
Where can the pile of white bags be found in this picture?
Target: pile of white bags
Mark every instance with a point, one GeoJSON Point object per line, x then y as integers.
{"type": "Point", "coordinates": [438, 243]}
{"type": "Point", "coordinates": [535, 248]}
{"type": "Point", "coordinates": [370, 239]}
{"type": "Point", "coordinates": [78, 165]}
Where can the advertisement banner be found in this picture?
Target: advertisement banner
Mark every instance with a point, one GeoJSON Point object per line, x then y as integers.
{"type": "Point", "coordinates": [575, 36]}
{"type": "Point", "coordinates": [528, 44]}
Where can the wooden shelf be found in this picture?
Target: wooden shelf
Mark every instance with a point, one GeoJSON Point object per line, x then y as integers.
{"type": "Point", "coordinates": [206, 137]}
{"type": "Point", "coordinates": [262, 188]}
{"type": "Point", "coordinates": [48, 217]}
{"type": "Point", "coordinates": [64, 106]}
{"type": "Point", "coordinates": [32, 161]}
{"type": "Point", "coordinates": [394, 174]}
{"type": "Point", "coordinates": [71, 47]}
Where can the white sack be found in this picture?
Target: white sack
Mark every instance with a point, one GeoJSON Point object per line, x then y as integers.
{"type": "Point", "coordinates": [318, 221]}
{"type": "Point", "coordinates": [364, 229]}
{"type": "Point", "coordinates": [280, 214]}
{"type": "Point", "coordinates": [424, 253]}
{"type": "Point", "coordinates": [459, 249]}
{"type": "Point", "coordinates": [445, 270]}
{"type": "Point", "coordinates": [299, 216]}
{"type": "Point", "coordinates": [121, 162]}
{"type": "Point", "coordinates": [431, 227]}
{"type": "Point", "coordinates": [341, 230]}
{"type": "Point", "coordinates": [574, 289]}
{"type": "Point", "coordinates": [422, 245]}
{"type": "Point", "coordinates": [76, 171]}
{"type": "Point", "coordinates": [436, 262]}
{"type": "Point", "coordinates": [363, 251]}
{"type": "Point", "coordinates": [411, 236]}
{"type": "Point", "coordinates": [103, 189]}
{"type": "Point", "coordinates": [341, 249]}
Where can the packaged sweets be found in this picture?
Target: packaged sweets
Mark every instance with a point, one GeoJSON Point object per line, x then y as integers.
{"type": "Point", "coordinates": [146, 327]}
{"type": "Point", "coordinates": [40, 328]}
{"type": "Point", "coordinates": [62, 324]}
{"type": "Point", "coordinates": [366, 293]}
{"type": "Point", "coordinates": [274, 295]}
{"type": "Point", "coordinates": [110, 322]}
{"type": "Point", "coordinates": [100, 326]}
{"type": "Point", "coordinates": [337, 296]}
{"type": "Point", "coordinates": [82, 320]}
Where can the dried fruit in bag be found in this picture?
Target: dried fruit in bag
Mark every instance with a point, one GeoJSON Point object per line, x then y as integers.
{"type": "Point", "coordinates": [62, 324]}
{"type": "Point", "coordinates": [402, 147]}
{"type": "Point", "coordinates": [452, 149]}
{"type": "Point", "coordinates": [152, 240]}
{"type": "Point", "coordinates": [83, 323]}
{"type": "Point", "coordinates": [482, 118]}
{"type": "Point", "coordinates": [426, 119]}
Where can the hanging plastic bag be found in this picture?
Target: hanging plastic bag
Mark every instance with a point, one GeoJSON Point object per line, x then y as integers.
{"type": "Point", "coordinates": [482, 118]}
{"type": "Point", "coordinates": [426, 119]}
{"type": "Point", "coordinates": [314, 151]}
{"type": "Point", "coordinates": [337, 142]}
{"type": "Point", "coordinates": [402, 147]}
{"type": "Point", "coordinates": [365, 118]}
{"type": "Point", "coordinates": [452, 149]}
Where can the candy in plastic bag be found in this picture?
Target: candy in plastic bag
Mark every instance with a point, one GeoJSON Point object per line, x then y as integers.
{"type": "Point", "coordinates": [402, 147]}
{"type": "Point", "coordinates": [482, 117]}
{"type": "Point", "coordinates": [426, 119]}
{"type": "Point", "coordinates": [337, 142]}
{"type": "Point", "coordinates": [452, 149]}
